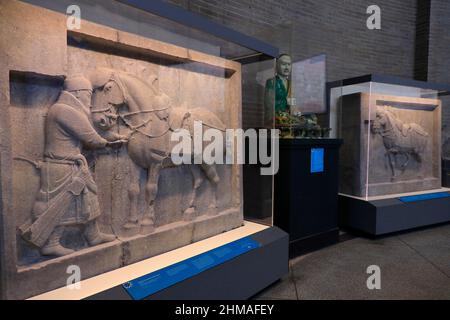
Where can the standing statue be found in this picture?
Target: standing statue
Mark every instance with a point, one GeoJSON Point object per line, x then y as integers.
{"type": "Point", "coordinates": [68, 193]}
{"type": "Point", "coordinates": [150, 119]}
{"type": "Point", "coordinates": [399, 138]}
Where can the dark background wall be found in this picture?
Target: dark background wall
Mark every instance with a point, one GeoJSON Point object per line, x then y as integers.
{"type": "Point", "coordinates": [439, 59]}
{"type": "Point", "coordinates": [335, 27]}
{"type": "Point", "coordinates": [414, 40]}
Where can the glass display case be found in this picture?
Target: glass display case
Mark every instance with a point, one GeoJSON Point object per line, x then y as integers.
{"type": "Point", "coordinates": [120, 138]}
{"type": "Point", "coordinates": [298, 90]}
{"type": "Point", "coordinates": [305, 186]}
{"type": "Point", "coordinates": [392, 152]}
{"type": "Point", "coordinates": [392, 137]}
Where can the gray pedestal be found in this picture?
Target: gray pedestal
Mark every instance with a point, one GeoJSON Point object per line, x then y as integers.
{"type": "Point", "coordinates": [236, 279]}
{"type": "Point", "coordinates": [379, 217]}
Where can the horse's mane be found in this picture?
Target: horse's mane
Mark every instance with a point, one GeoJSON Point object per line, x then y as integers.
{"type": "Point", "coordinates": [393, 119]}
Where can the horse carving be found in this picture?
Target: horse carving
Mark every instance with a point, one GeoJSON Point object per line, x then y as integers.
{"type": "Point", "coordinates": [399, 138]}
{"type": "Point", "coordinates": [148, 115]}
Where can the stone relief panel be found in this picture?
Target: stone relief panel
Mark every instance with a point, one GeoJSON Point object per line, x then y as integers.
{"type": "Point", "coordinates": [88, 178]}
{"type": "Point", "coordinates": [396, 144]}
{"type": "Point", "coordinates": [405, 144]}
{"type": "Point", "coordinates": [127, 190]}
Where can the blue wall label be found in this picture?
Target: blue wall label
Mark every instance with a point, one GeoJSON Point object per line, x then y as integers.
{"type": "Point", "coordinates": [426, 196]}
{"type": "Point", "coordinates": [153, 282]}
{"type": "Point", "coordinates": [317, 156]}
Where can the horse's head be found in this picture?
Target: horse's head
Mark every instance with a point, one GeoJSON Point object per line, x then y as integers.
{"type": "Point", "coordinates": [114, 89]}
{"type": "Point", "coordinates": [380, 121]}
{"type": "Point", "coordinates": [106, 100]}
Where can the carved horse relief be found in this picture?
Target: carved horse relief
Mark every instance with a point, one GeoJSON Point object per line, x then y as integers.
{"type": "Point", "coordinates": [150, 119]}
{"type": "Point", "coordinates": [399, 138]}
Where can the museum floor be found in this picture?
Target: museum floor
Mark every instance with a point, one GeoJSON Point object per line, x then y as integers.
{"type": "Point", "coordinates": [414, 265]}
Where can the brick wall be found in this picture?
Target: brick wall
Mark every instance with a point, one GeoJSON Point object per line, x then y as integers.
{"type": "Point", "coordinates": [335, 27]}
{"type": "Point", "coordinates": [414, 40]}
{"type": "Point", "coordinates": [439, 59]}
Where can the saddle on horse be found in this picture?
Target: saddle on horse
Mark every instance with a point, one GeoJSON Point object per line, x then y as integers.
{"type": "Point", "coordinates": [408, 128]}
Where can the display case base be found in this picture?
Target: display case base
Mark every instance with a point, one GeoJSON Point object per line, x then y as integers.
{"type": "Point", "coordinates": [382, 215]}
{"type": "Point", "coordinates": [238, 278]}
{"type": "Point", "coordinates": [446, 173]}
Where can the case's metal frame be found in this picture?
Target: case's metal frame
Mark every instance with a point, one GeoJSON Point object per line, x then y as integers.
{"type": "Point", "coordinates": [443, 89]}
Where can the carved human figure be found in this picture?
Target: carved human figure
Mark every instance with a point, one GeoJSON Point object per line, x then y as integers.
{"type": "Point", "coordinates": [68, 193]}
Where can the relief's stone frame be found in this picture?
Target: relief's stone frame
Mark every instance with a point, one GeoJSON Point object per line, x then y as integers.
{"type": "Point", "coordinates": [40, 47]}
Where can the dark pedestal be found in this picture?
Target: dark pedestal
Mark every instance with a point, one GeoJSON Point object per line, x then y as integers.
{"type": "Point", "coordinates": [446, 173]}
{"type": "Point", "coordinates": [305, 202]}
{"type": "Point", "coordinates": [378, 217]}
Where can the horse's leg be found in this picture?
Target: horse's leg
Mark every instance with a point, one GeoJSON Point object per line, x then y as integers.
{"type": "Point", "coordinates": [211, 172]}
{"type": "Point", "coordinates": [133, 195]}
{"type": "Point", "coordinates": [392, 165]}
{"type": "Point", "coordinates": [151, 191]}
{"type": "Point", "coordinates": [405, 164]}
{"type": "Point", "coordinates": [386, 160]}
{"type": "Point", "coordinates": [418, 157]}
{"type": "Point", "coordinates": [197, 180]}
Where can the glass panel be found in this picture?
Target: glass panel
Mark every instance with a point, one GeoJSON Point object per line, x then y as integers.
{"type": "Point", "coordinates": [392, 139]}
{"type": "Point", "coordinates": [257, 117]}
{"type": "Point", "coordinates": [308, 86]}
{"type": "Point", "coordinates": [123, 17]}
{"type": "Point", "coordinates": [403, 132]}
{"type": "Point", "coordinates": [299, 88]}
{"type": "Point", "coordinates": [123, 137]}
{"type": "Point", "coordinates": [351, 129]}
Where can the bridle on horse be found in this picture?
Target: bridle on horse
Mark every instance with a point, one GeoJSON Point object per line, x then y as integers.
{"type": "Point", "coordinates": [123, 116]}
{"type": "Point", "coordinates": [386, 130]}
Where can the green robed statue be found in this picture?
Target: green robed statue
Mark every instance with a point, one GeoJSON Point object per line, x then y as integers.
{"type": "Point", "coordinates": [278, 89]}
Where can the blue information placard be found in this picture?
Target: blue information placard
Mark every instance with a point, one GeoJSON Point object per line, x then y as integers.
{"type": "Point", "coordinates": [317, 160]}
{"type": "Point", "coordinates": [426, 196]}
{"type": "Point", "coordinates": [156, 281]}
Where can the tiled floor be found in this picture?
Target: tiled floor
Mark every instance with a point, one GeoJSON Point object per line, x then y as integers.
{"type": "Point", "coordinates": [414, 265]}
